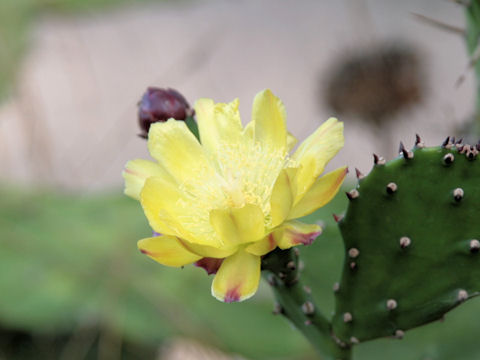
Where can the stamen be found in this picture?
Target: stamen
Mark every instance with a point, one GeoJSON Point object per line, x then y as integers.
{"type": "Point", "coordinates": [245, 174]}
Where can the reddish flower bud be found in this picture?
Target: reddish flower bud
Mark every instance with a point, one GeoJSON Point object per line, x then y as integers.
{"type": "Point", "coordinates": [160, 105]}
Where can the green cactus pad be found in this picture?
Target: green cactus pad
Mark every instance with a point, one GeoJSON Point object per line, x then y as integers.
{"type": "Point", "coordinates": [411, 248]}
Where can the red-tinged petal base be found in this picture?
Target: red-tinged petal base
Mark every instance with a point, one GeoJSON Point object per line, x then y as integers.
{"type": "Point", "coordinates": [237, 278]}
{"type": "Point", "coordinates": [233, 295]}
{"type": "Point", "coordinates": [210, 265]}
{"type": "Point", "coordinates": [304, 239]}
{"type": "Point", "coordinates": [294, 233]}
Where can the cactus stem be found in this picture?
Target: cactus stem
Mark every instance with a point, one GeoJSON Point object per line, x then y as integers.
{"type": "Point", "coordinates": [353, 265]}
{"type": "Point", "coordinates": [399, 334]}
{"type": "Point", "coordinates": [448, 158]}
{"type": "Point", "coordinates": [392, 304]}
{"type": "Point", "coordinates": [462, 295]}
{"type": "Point", "coordinates": [418, 142]}
{"type": "Point", "coordinates": [359, 174]}
{"type": "Point", "coordinates": [307, 289]}
{"type": "Point", "coordinates": [354, 340]}
{"type": "Point", "coordinates": [378, 160]}
{"type": "Point", "coordinates": [336, 287]}
{"type": "Point", "coordinates": [405, 242]}
{"type": "Point", "coordinates": [391, 188]}
{"type": "Point", "coordinates": [353, 252]}
{"type": "Point", "coordinates": [308, 308]}
{"type": "Point", "coordinates": [297, 305]}
{"type": "Point", "coordinates": [474, 246]}
{"type": "Point", "coordinates": [347, 317]}
{"type": "Point", "coordinates": [296, 252]}
{"type": "Point", "coordinates": [458, 194]}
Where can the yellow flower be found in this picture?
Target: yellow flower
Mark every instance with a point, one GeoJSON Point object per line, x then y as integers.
{"type": "Point", "coordinates": [232, 198]}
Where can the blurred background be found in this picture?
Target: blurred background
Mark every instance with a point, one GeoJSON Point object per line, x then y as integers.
{"type": "Point", "coordinates": [72, 284]}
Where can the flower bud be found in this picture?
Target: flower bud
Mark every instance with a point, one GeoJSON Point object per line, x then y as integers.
{"type": "Point", "coordinates": [160, 105]}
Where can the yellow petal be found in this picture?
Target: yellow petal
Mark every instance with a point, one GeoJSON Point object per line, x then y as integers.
{"type": "Point", "coordinates": [305, 176]}
{"type": "Point", "coordinates": [136, 172]}
{"type": "Point", "coordinates": [283, 196]}
{"type": "Point", "coordinates": [178, 151]}
{"type": "Point", "coordinates": [316, 151]}
{"type": "Point", "coordinates": [291, 141]}
{"type": "Point", "coordinates": [263, 246]}
{"type": "Point", "coordinates": [249, 131]}
{"type": "Point", "coordinates": [238, 225]}
{"type": "Point", "coordinates": [210, 251]}
{"type": "Point", "coordinates": [218, 123]}
{"type": "Point", "coordinates": [294, 233]}
{"type": "Point", "coordinates": [322, 191]}
{"type": "Point", "coordinates": [160, 202]}
{"type": "Point", "coordinates": [167, 250]}
{"type": "Point", "coordinates": [238, 277]}
{"type": "Point", "coordinates": [269, 117]}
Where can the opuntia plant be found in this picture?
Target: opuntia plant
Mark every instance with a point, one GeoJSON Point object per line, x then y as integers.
{"type": "Point", "coordinates": [411, 240]}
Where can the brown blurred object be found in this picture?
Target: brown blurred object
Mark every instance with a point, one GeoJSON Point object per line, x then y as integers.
{"type": "Point", "coordinates": [376, 84]}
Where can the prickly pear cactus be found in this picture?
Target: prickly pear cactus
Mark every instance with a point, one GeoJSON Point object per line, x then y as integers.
{"type": "Point", "coordinates": [411, 236]}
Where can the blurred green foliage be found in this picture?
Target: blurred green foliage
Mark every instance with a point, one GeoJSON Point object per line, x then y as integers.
{"type": "Point", "coordinates": [16, 17]}
{"type": "Point", "coordinates": [69, 263]}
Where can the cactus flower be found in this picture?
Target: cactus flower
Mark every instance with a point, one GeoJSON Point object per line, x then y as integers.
{"type": "Point", "coordinates": [226, 201]}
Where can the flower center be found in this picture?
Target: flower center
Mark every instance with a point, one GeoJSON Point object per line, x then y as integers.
{"type": "Point", "coordinates": [245, 174]}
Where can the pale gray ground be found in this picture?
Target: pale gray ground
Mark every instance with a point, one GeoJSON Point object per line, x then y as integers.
{"type": "Point", "coordinates": [72, 119]}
